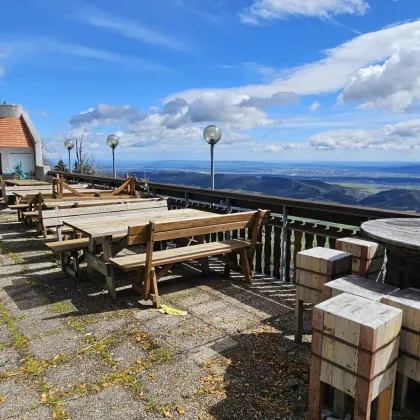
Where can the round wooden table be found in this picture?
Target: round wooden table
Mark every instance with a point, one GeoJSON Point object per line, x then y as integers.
{"type": "Point", "coordinates": [401, 238]}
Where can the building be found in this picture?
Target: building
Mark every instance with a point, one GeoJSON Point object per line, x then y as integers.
{"type": "Point", "coordinates": [19, 142]}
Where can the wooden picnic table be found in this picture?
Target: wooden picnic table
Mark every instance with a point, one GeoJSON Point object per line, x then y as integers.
{"type": "Point", "coordinates": [401, 238]}
{"type": "Point", "coordinates": [104, 231]}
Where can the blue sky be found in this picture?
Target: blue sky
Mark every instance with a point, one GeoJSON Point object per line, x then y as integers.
{"type": "Point", "coordinates": [284, 79]}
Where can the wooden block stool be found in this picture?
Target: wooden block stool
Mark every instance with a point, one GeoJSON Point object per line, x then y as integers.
{"type": "Point", "coordinates": [409, 361]}
{"type": "Point", "coordinates": [354, 350]}
{"type": "Point", "coordinates": [314, 268]}
{"type": "Point", "coordinates": [368, 257]}
{"type": "Point", "coordinates": [359, 286]}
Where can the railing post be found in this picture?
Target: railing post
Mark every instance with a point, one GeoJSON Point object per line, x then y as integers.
{"type": "Point", "coordinates": [285, 245]}
{"type": "Point", "coordinates": [187, 197]}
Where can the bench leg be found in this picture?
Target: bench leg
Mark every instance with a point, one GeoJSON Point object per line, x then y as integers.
{"type": "Point", "coordinates": [110, 282]}
{"type": "Point", "coordinates": [246, 267]}
{"type": "Point", "coordinates": [146, 285]}
{"type": "Point", "coordinates": [298, 320]}
{"type": "Point", "coordinates": [204, 262]}
{"type": "Point", "coordinates": [137, 284]}
{"type": "Point", "coordinates": [155, 292]}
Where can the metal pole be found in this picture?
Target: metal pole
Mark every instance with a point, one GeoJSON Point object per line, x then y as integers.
{"type": "Point", "coordinates": [114, 169]}
{"type": "Point", "coordinates": [212, 165]}
{"type": "Point", "coordinates": [69, 162]}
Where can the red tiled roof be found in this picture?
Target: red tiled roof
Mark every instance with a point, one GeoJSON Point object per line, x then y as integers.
{"type": "Point", "coordinates": [14, 133]}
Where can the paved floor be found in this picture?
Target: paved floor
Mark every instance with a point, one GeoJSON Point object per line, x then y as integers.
{"type": "Point", "coordinates": [68, 352]}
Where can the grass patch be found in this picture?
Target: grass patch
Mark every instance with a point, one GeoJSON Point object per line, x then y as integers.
{"type": "Point", "coordinates": [61, 308]}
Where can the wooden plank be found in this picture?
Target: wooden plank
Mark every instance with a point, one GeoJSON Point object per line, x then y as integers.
{"type": "Point", "coordinates": [101, 211]}
{"type": "Point", "coordinates": [358, 286]}
{"type": "Point", "coordinates": [204, 230]}
{"type": "Point", "coordinates": [121, 226]}
{"type": "Point", "coordinates": [207, 219]}
{"type": "Point", "coordinates": [174, 255]}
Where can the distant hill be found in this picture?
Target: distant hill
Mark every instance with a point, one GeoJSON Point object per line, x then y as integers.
{"type": "Point", "coordinates": [270, 185]}
{"type": "Point", "coordinates": [398, 199]}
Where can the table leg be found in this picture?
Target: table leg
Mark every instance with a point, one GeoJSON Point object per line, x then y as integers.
{"type": "Point", "coordinates": [110, 277]}
{"type": "Point", "coordinates": [90, 269]}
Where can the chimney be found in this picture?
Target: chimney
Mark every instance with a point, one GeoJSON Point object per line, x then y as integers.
{"type": "Point", "coordinates": [10, 111]}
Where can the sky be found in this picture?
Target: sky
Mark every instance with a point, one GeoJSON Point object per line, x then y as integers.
{"type": "Point", "coordinates": [285, 80]}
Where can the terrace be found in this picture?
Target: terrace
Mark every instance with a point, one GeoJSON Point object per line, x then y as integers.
{"type": "Point", "coordinates": [68, 351]}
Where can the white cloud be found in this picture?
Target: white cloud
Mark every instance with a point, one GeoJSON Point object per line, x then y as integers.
{"type": "Point", "coordinates": [126, 28]}
{"type": "Point", "coordinates": [393, 85]}
{"type": "Point", "coordinates": [44, 114]}
{"type": "Point", "coordinates": [402, 136]}
{"type": "Point", "coordinates": [24, 48]}
{"type": "Point", "coordinates": [106, 114]}
{"type": "Point", "coordinates": [276, 147]}
{"type": "Point", "coordinates": [280, 9]}
{"type": "Point", "coordinates": [331, 73]}
{"type": "Point", "coordinates": [314, 106]}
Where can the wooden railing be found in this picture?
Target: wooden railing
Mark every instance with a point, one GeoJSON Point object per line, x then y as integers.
{"type": "Point", "coordinates": [295, 225]}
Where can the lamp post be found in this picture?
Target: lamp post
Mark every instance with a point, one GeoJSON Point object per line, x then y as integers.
{"type": "Point", "coordinates": [113, 141]}
{"type": "Point", "coordinates": [69, 144]}
{"type": "Point", "coordinates": [212, 134]}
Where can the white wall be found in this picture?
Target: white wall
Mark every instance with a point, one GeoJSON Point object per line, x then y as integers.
{"type": "Point", "coordinates": [11, 156]}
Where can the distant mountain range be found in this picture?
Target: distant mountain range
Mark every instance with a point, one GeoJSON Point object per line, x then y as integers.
{"type": "Point", "coordinates": [396, 199]}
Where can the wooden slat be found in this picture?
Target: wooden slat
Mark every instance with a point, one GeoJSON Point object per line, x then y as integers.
{"type": "Point", "coordinates": [194, 231]}
{"type": "Point", "coordinates": [277, 251]}
{"type": "Point", "coordinates": [116, 226]}
{"type": "Point", "coordinates": [174, 255]}
{"type": "Point", "coordinates": [207, 218]}
{"type": "Point", "coordinates": [267, 251]}
{"type": "Point", "coordinates": [67, 246]}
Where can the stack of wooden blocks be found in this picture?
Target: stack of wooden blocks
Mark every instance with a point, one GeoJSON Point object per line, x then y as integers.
{"type": "Point", "coordinates": [368, 257]}
{"type": "Point", "coordinates": [314, 268]}
{"type": "Point", "coordinates": [354, 350]}
{"type": "Point", "coordinates": [408, 300]}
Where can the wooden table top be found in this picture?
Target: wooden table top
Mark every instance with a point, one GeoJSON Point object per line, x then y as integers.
{"type": "Point", "coordinates": [403, 233]}
{"type": "Point", "coordinates": [24, 182]}
{"type": "Point", "coordinates": [100, 201]}
{"type": "Point", "coordinates": [117, 224]}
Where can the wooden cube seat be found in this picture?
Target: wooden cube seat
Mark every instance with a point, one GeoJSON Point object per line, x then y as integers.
{"type": "Point", "coordinates": [177, 255]}
{"type": "Point", "coordinates": [355, 345]}
{"type": "Point", "coordinates": [368, 256]}
{"type": "Point", "coordinates": [314, 268]}
{"type": "Point", "coordinates": [408, 300]}
{"type": "Point", "coordinates": [359, 286]}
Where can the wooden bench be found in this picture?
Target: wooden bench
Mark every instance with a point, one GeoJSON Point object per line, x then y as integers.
{"type": "Point", "coordinates": [144, 264]}
{"type": "Point", "coordinates": [69, 249]}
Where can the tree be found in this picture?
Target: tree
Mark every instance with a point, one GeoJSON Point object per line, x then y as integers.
{"type": "Point", "coordinates": [61, 166]}
{"type": "Point", "coordinates": [46, 150]}
{"type": "Point", "coordinates": [85, 162]}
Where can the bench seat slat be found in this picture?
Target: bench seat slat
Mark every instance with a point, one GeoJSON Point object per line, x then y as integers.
{"type": "Point", "coordinates": [68, 246]}
{"type": "Point", "coordinates": [175, 255]}
{"type": "Point", "coordinates": [75, 244]}
{"type": "Point", "coordinates": [18, 206]}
